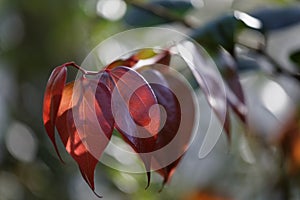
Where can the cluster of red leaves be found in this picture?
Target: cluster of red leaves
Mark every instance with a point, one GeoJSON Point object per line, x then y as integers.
{"type": "Point", "coordinates": [86, 111]}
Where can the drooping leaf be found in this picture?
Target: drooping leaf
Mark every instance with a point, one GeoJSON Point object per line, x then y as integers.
{"type": "Point", "coordinates": [209, 81]}
{"type": "Point", "coordinates": [85, 123]}
{"type": "Point", "coordinates": [277, 18]}
{"type": "Point", "coordinates": [132, 98]}
{"type": "Point", "coordinates": [52, 98]}
{"type": "Point", "coordinates": [176, 99]}
{"type": "Point", "coordinates": [234, 92]}
{"type": "Point", "coordinates": [137, 16]}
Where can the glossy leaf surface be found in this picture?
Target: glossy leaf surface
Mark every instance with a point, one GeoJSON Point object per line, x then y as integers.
{"type": "Point", "coordinates": [84, 140]}
{"type": "Point", "coordinates": [175, 98]}
{"type": "Point", "coordinates": [234, 92]}
{"type": "Point", "coordinates": [52, 98]}
{"type": "Point", "coordinates": [132, 99]}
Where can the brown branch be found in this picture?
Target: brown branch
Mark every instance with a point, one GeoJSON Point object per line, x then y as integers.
{"type": "Point", "coordinates": [278, 69]}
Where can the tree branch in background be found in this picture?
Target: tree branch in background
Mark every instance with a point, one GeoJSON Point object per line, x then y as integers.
{"type": "Point", "coordinates": [160, 11]}
{"type": "Point", "coordinates": [278, 69]}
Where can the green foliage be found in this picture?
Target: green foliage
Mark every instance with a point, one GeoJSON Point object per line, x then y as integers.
{"type": "Point", "coordinates": [277, 18]}
{"type": "Point", "coordinates": [295, 57]}
{"type": "Point", "coordinates": [139, 15]}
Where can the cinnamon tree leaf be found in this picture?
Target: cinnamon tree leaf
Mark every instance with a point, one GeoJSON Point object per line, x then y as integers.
{"type": "Point", "coordinates": [175, 97]}
{"type": "Point", "coordinates": [132, 99]}
{"type": "Point", "coordinates": [131, 61]}
{"type": "Point", "coordinates": [234, 92]}
{"type": "Point", "coordinates": [137, 16]}
{"type": "Point", "coordinates": [85, 123]}
{"type": "Point", "coordinates": [147, 55]}
{"type": "Point", "coordinates": [209, 81]}
{"type": "Point", "coordinates": [52, 98]}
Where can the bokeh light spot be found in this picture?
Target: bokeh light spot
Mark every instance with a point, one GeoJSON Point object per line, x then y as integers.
{"type": "Point", "coordinates": [20, 142]}
{"type": "Point", "coordinates": [111, 9]}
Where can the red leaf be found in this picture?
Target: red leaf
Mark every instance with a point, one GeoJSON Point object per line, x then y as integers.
{"type": "Point", "coordinates": [235, 94]}
{"type": "Point", "coordinates": [52, 100]}
{"type": "Point", "coordinates": [85, 124]}
{"type": "Point", "coordinates": [176, 98]}
{"type": "Point", "coordinates": [209, 81]}
{"type": "Point", "coordinates": [148, 56]}
{"type": "Point", "coordinates": [132, 98]}
{"type": "Point", "coordinates": [131, 61]}
{"type": "Point", "coordinates": [165, 58]}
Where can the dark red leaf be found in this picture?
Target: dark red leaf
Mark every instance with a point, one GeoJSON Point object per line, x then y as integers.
{"type": "Point", "coordinates": [131, 61]}
{"type": "Point", "coordinates": [165, 58]}
{"type": "Point", "coordinates": [132, 99]}
{"type": "Point", "coordinates": [52, 100]}
{"type": "Point", "coordinates": [176, 98]}
{"type": "Point", "coordinates": [85, 124]}
{"type": "Point", "coordinates": [209, 81]}
{"type": "Point", "coordinates": [148, 56]}
{"type": "Point", "coordinates": [235, 94]}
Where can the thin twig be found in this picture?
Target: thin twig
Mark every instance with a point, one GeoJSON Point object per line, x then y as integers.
{"type": "Point", "coordinates": [85, 72]}
{"type": "Point", "coordinates": [278, 69]}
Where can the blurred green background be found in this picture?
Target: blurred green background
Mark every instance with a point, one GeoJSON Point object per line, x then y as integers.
{"type": "Point", "coordinates": [36, 36]}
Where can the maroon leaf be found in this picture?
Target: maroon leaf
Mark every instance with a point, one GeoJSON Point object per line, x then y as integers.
{"type": "Point", "coordinates": [176, 99]}
{"type": "Point", "coordinates": [52, 100]}
{"type": "Point", "coordinates": [165, 58]}
{"type": "Point", "coordinates": [235, 94]}
{"type": "Point", "coordinates": [85, 124]}
{"type": "Point", "coordinates": [131, 61]}
{"type": "Point", "coordinates": [132, 98]}
{"type": "Point", "coordinates": [148, 56]}
{"type": "Point", "coordinates": [209, 81]}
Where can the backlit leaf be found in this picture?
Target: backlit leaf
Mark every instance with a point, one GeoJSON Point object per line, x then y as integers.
{"type": "Point", "coordinates": [176, 99]}
{"type": "Point", "coordinates": [209, 81]}
{"type": "Point", "coordinates": [52, 98]}
{"type": "Point", "coordinates": [147, 55]}
{"type": "Point", "coordinates": [132, 98]}
{"type": "Point", "coordinates": [85, 123]}
{"type": "Point", "coordinates": [234, 92]}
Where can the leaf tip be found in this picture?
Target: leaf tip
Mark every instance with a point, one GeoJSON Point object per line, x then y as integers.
{"type": "Point", "coordinates": [148, 180]}
{"type": "Point", "coordinates": [97, 195]}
